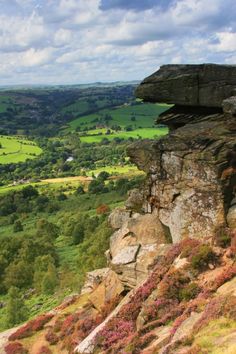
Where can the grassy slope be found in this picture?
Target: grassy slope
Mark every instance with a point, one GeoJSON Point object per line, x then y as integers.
{"type": "Point", "coordinates": [144, 133]}
{"type": "Point", "coordinates": [15, 150]}
{"type": "Point", "coordinates": [145, 115]}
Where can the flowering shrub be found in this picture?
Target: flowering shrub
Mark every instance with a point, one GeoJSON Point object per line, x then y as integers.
{"type": "Point", "coordinates": [15, 348]}
{"type": "Point", "coordinates": [115, 330]}
{"type": "Point", "coordinates": [44, 350]}
{"type": "Point", "coordinates": [38, 323]}
{"type": "Point", "coordinates": [22, 332]}
{"type": "Point", "coordinates": [51, 337]}
{"type": "Point", "coordinates": [68, 325]}
{"type": "Point", "coordinates": [217, 307]}
{"type": "Point", "coordinates": [32, 326]}
{"type": "Point", "coordinates": [172, 284]}
{"type": "Point", "coordinates": [86, 326]}
{"type": "Point", "coordinates": [225, 276]}
{"type": "Point", "coordinates": [187, 247]}
{"type": "Point", "coordinates": [57, 325]}
{"type": "Point", "coordinates": [159, 308]}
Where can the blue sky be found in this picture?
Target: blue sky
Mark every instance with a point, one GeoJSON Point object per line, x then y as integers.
{"type": "Point", "coordinates": [79, 41]}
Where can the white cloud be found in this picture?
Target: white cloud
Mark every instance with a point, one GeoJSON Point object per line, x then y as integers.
{"type": "Point", "coordinates": [37, 57]}
{"type": "Point", "coordinates": [227, 42]}
{"type": "Point", "coordinates": [75, 41]}
{"type": "Point", "coordinates": [62, 37]}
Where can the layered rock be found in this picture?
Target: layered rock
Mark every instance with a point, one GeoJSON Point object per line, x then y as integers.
{"type": "Point", "coordinates": [191, 173]}
{"type": "Point", "coordinates": [192, 85]}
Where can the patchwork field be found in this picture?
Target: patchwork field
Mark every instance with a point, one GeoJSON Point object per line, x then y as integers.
{"type": "Point", "coordinates": [14, 149]}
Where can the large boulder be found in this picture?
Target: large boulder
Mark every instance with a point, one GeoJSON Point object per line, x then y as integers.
{"type": "Point", "coordinates": [192, 85]}
{"type": "Point", "coordinates": [135, 245]}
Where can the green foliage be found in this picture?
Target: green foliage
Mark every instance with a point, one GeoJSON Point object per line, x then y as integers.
{"type": "Point", "coordinates": [223, 236]}
{"type": "Point", "coordinates": [189, 292]}
{"type": "Point", "coordinates": [50, 280]}
{"type": "Point", "coordinates": [18, 274]}
{"type": "Point", "coordinates": [203, 256]}
{"type": "Point", "coordinates": [16, 311]}
{"type": "Point", "coordinates": [78, 234]}
{"type": "Point", "coordinates": [47, 229]}
{"type": "Point", "coordinates": [97, 186]}
{"type": "Point", "coordinates": [41, 266]}
{"type": "Point", "coordinates": [17, 226]}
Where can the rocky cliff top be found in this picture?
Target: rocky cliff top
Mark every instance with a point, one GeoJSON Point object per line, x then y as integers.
{"type": "Point", "coordinates": [190, 85]}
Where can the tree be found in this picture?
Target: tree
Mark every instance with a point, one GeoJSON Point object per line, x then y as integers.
{"type": "Point", "coordinates": [80, 190]}
{"type": "Point", "coordinates": [18, 274]}
{"type": "Point", "coordinates": [78, 234]}
{"type": "Point", "coordinates": [50, 280]}
{"type": "Point", "coordinates": [96, 186]}
{"type": "Point", "coordinates": [41, 266]}
{"type": "Point", "coordinates": [103, 176]}
{"type": "Point", "coordinates": [47, 229]}
{"type": "Point", "coordinates": [29, 192]}
{"type": "Point", "coordinates": [16, 311]}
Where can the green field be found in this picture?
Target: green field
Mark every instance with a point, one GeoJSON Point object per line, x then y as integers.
{"type": "Point", "coordinates": [14, 149]}
{"type": "Point", "coordinates": [82, 106]}
{"type": "Point", "coordinates": [142, 133]}
{"type": "Point", "coordinates": [144, 114]}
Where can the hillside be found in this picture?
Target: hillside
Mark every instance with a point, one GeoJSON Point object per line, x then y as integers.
{"type": "Point", "coordinates": [169, 285]}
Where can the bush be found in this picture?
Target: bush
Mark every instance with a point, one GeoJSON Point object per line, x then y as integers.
{"type": "Point", "coordinates": [51, 337]}
{"type": "Point", "coordinates": [189, 292]}
{"type": "Point", "coordinates": [15, 348]}
{"type": "Point", "coordinates": [22, 332]}
{"type": "Point", "coordinates": [203, 256]}
{"type": "Point", "coordinates": [44, 350]}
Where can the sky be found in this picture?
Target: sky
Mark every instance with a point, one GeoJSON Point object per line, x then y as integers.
{"type": "Point", "coordinates": [81, 41]}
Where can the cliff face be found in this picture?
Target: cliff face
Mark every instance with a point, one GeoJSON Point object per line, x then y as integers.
{"type": "Point", "coordinates": [191, 173]}
{"type": "Point", "coordinates": [171, 276]}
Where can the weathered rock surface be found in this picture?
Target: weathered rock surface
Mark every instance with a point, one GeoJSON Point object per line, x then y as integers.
{"type": "Point", "coordinates": [135, 245]}
{"type": "Point", "coordinates": [93, 279]}
{"type": "Point", "coordinates": [192, 85]}
{"type": "Point", "coordinates": [186, 327]}
{"type": "Point", "coordinates": [191, 174]}
{"type": "Point", "coordinates": [107, 291]}
{"type": "Point", "coordinates": [229, 105]}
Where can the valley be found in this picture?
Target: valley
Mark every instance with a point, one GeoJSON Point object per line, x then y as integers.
{"type": "Point", "coordinates": [63, 167]}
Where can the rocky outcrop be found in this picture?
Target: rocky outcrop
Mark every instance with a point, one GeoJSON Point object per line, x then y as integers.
{"type": "Point", "coordinates": [134, 246]}
{"type": "Point", "coordinates": [192, 85]}
{"type": "Point", "coordinates": [191, 173]}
